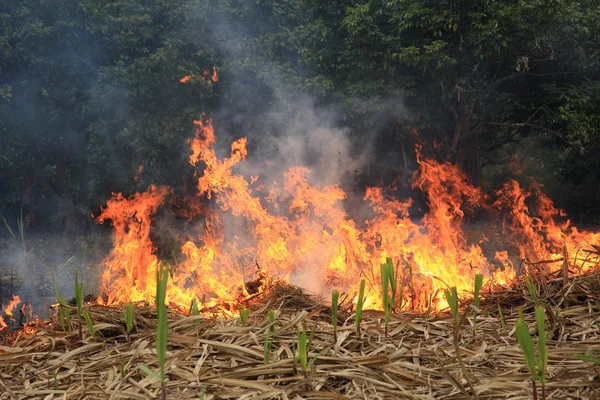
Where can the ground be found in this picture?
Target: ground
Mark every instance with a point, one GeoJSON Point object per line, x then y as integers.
{"type": "Point", "coordinates": [225, 360]}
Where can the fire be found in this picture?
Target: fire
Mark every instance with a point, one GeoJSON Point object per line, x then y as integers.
{"type": "Point", "coordinates": [206, 76]}
{"type": "Point", "coordinates": [299, 232]}
{"type": "Point", "coordinates": [8, 311]}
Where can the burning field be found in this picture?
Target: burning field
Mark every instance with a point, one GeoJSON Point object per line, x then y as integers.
{"type": "Point", "coordinates": [428, 307]}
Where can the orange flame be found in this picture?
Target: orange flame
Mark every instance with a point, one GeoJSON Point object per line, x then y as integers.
{"type": "Point", "coordinates": [8, 311]}
{"type": "Point", "coordinates": [298, 232]}
{"type": "Point", "coordinates": [214, 78]}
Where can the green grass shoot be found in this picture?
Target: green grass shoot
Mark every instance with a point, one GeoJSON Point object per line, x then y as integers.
{"type": "Point", "coordinates": [386, 275]}
{"type": "Point", "coordinates": [302, 350]}
{"type": "Point", "coordinates": [129, 317]}
{"type": "Point", "coordinates": [267, 349]}
{"type": "Point", "coordinates": [359, 306]}
{"type": "Point", "coordinates": [269, 336]}
{"type": "Point", "coordinates": [531, 288]}
{"type": "Point", "coordinates": [244, 314]}
{"type": "Point", "coordinates": [194, 310]}
{"type": "Point", "coordinates": [540, 318]}
{"type": "Point", "coordinates": [21, 228]}
{"type": "Point", "coordinates": [478, 285]}
{"type": "Point", "coordinates": [88, 322]}
{"type": "Point", "coordinates": [335, 295]}
{"type": "Point", "coordinates": [588, 357]}
{"type": "Point", "coordinates": [79, 301]}
{"type": "Point", "coordinates": [537, 368]}
{"type": "Point", "coordinates": [162, 277]}
{"type": "Point", "coordinates": [501, 316]}
{"type": "Point", "coordinates": [452, 299]}
{"type": "Point", "coordinates": [271, 318]}
{"type": "Point", "coordinates": [526, 343]}
{"type": "Point", "coordinates": [64, 313]}
{"type": "Point", "coordinates": [161, 312]}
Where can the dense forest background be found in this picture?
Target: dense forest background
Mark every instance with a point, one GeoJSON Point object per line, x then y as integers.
{"type": "Point", "coordinates": [90, 90]}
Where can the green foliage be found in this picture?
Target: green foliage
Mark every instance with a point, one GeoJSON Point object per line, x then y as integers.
{"type": "Point", "coordinates": [244, 314]}
{"type": "Point", "coordinates": [359, 306]}
{"type": "Point", "coordinates": [302, 349]}
{"type": "Point", "coordinates": [78, 294]}
{"type": "Point", "coordinates": [129, 317]}
{"type": "Point", "coordinates": [335, 295]}
{"type": "Point", "coordinates": [526, 343]}
{"type": "Point", "coordinates": [536, 367]}
{"type": "Point", "coordinates": [540, 318]}
{"type": "Point", "coordinates": [452, 299]}
{"type": "Point", "coordinates": [90, 90]}
{"type": "Point", "coordinates": [88, 322]}
{"type": "Point", "coordinates": [79, 301]}
{"type": "Point", "coordinates": [162, 277]}
{"type": "Point", "coordinates": [386, 281]}
{"type": "Point", "coordinates": [531, 288]}
{"type": "Point", "coordinates": [269, 336]}
{"type": "Point", "coordinates": [478, 284]}
{"type": "Point", "coordinates": [64, 313]}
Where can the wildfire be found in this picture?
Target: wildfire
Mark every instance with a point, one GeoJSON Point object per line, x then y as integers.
{"type": "Point", "coordinates": [206, 76]}
{"type": "Point", "coordinates": [294, 231]}
{"type": "Point", "coordinates": [298, 232]}
{"type": "Point", "coordinates": [8, 311]}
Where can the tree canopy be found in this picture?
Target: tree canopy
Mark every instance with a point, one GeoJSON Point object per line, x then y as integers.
{"type": "Point", "coordinates": [90, 91]}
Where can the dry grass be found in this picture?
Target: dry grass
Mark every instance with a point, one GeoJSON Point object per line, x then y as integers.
{"type": "Point", "coordinates": [417, 361]}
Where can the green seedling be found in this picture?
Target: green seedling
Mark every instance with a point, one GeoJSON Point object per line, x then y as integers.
{"type": "Point", "coordinates": [122, 367]}
{"type": "Point", "coordinates": [269, 339]}
{"type": "Point", "coordinates": [21, 228]}
{"type": "Point", "coordinates": [79, 301]}
{"type": "Point", "coordinates": [452, 299]}
{"type": "Point", "coordinates": [478, 285]}
{"type": "Point", "coordinates": [386, 274]}
{"type": "Point", "coordinates": [359, 306]}
{"type": "Point", "coordinates": [271, 318]}
{"type": "Point", "coordinates": [244, 314]}
{"type": "Point", "coordinates": [267, 349]}
{"type": "Point", "coordinates": [64, 313]}
{"type": "Point", "coordinates": [162, 277]}
{"type": "Point", "coordinates": [335, 295]}
{"type": "Point", "coordinates": [302, 350]}
{"type": "Point", "coordinates": [88, 322]}
{"type": "Point", "coordinates": [540, 318]}
{"type": "Point", "coordinates": [55, 375]}
{"type": "Point", "coordinates": [537, 368]}
{"type": "Point", "coordinates": [531, 288]}
{"type": "Point", "coordinates": [129, 318]}
{"type": "Point", "coordinates": [194, 310]}
{"type": "Point", "coordinates": [588, 357]}
{"type": "Point", "coordinates": [501, 319]}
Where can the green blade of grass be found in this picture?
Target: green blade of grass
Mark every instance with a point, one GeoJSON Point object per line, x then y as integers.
{"type": "Point", "coordinates": [478, 284]}
{"type": "Point", "coordinates": [452, 299]}
{"type": "Point", "coordinates": [335, 295]}
{"type": "Point", "coordinates": [526, 343]}
{"type": "Point", "coordinates": [540, 318]}
{"type": "Point", "coordinates": [359, 305]}
{"type": "Point", "coordinates": [88, 322]}
{"type": "Point", "coordinates": [302, 354]}
{"type": "Point", "coordinates": [162, 273]}
{"type": "Point", "coordinates": [149, 372]}
{"type": "Point", "coordinates": [531, 288]}
{"type": "Point", "coordinates": [129, 317]}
